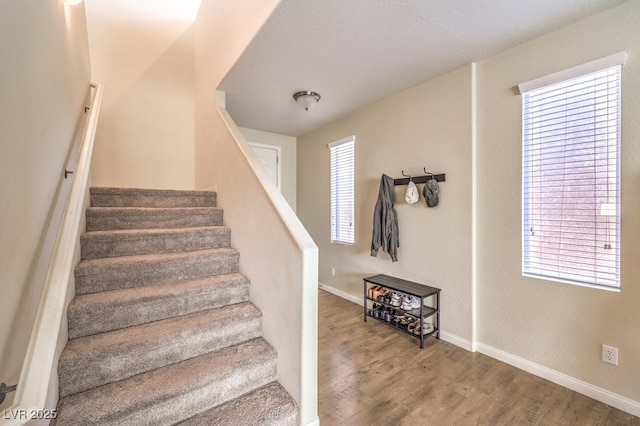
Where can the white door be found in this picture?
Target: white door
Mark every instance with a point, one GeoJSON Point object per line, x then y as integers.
{"type": "Point", "coordinates": [269, 156]}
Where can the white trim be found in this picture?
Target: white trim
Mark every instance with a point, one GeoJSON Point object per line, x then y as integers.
{"type": "Point", "coordinates": [457, 340]}
{"type": "Point", "coordinates": [316, 422]}
{"type": "Point", "coordinates": [584, 388]}
{"type": "Point", "coordinates": [342, 141]}
{"type": "Point", "coordinates": [343, 294]}
{"type": "Point", "coordinates": [474, 209]}
{"type": "Point", "coordinates": [278, 150]}
{"type": "Point", "coordinates": [40, 359]}
{"type": "Point", "coordinates": [619, 58]}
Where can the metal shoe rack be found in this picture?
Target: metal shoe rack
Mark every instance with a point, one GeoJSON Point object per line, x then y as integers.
{"type": "Point", "coordinates": [421, 291]}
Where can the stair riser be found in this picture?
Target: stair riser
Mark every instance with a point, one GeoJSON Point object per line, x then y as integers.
{"type": "Point", "coordinates": [98, 220]}
{"type": "Point", "coordinates": [152, 303]}
{"type": "Point", "coordinates": [122, 197]}
{"type": "Point", "coordinates": [173, 393]}
{"type": "Point", "coordinates": [85, 370]}
{"type": "Point", "coordinates": [133, 274]}
{"type": "Point", "coordinates": [97, 245]}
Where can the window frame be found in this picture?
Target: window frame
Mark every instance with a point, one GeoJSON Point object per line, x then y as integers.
{"type": "Point", "coordinates": [341, 234]}
{"type": "Point", "coordinates": [543, 269]}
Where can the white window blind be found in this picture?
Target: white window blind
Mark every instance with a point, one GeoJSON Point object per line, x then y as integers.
{"type": "Point", "coordinates": [342, 190]}
{"type": "Point", "coordinates": [571, 178]}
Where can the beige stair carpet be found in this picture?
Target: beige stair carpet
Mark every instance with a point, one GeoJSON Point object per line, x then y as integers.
{"type": "Point", "coordinates": [161, 330]}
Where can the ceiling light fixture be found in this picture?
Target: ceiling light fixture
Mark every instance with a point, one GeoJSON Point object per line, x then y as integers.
{"type": "Point", "coordinates": [306, 98]}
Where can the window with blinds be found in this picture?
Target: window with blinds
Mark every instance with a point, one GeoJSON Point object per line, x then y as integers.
{"type": "Point", "coordinates": [342, 190]}
{"type": "Point", "coordinates": [571, 175]}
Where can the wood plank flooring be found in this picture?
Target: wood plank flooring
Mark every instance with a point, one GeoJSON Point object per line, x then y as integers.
{"type": "Point", "coordinates": [370, 374]}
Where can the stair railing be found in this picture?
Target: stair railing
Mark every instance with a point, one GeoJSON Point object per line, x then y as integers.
{"type": "Point", "coordinates": [39, 362]}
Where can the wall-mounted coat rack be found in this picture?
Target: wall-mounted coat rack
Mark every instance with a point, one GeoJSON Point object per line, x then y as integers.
{"type": "Point", "coordinates": [419, 179]}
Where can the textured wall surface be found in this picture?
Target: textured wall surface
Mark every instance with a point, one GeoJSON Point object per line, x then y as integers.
{"type": "Point", "coordinates": [556, 325]}
{"type": "Point", "coordinates": [44, 83]}
{"type": "Point", "coordinates": [427, 126]}
{"type": "Point", "coordinates": [146, 130]}
{"type": "Point", "coordinates": [559, 327]}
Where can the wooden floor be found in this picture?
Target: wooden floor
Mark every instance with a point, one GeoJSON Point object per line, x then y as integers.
{"type": "Point", "coordinates": [371, 374]}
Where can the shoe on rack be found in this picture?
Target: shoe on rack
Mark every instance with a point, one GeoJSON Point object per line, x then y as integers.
{"type": "Point", "coordinates": [396, 299]}
{"type": "Point", "coordinates": [406, 303]}
{"type": "Point", "coordinates": [415, 302]}
{"type": "Point", "coordinates": [427, 328]}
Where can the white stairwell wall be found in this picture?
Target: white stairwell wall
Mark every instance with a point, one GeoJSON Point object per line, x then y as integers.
{"type": "Point", "coordinates": [277, 253]}
{"type": "Point", "coordinates": [44, 84]}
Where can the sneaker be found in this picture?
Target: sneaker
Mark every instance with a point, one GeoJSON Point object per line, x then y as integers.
{"type": "Point", "coordinates": [396, 299]}
{"type": "Point", "coordinates": [415, 302]}
{"type": "Point", "coordinates": [406, 303]}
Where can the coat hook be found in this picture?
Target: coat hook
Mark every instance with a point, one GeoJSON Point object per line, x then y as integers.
{"type": "Point", "coordinates": [406, 175]}
{"type": "Point", "coordinates": [67, 173]}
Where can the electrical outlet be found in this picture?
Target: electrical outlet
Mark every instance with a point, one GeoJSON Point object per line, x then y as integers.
{"type": "Point", "coordinates": [333, 272]}
{"type": "Point", "coordinates": [610, 354]}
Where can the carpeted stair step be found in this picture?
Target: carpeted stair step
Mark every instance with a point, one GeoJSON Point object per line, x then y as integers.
{"type": "Point", "coordinates": [96, 275]}
{"type": "Point", "coordinates": [111, 310]}
{"type": "Point", "coordinates": [176, 392]}
{"type": "Point", "coordinates": [270, 405]}
{"type": "Point", "coordinates": [93, 361]}
{"type": "Point", "coordinates": [137, 197]}
{"type": "Point", "coordinates": [144, 241]}
{"type": "Point", "coordinates": [113, 218]}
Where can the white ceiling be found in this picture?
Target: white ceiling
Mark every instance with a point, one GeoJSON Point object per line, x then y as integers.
{"type": "Point", "coordinates": [355, 52]}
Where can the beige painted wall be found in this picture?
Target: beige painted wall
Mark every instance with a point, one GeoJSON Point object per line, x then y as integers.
{"type": "Point", "coordinates": [556, 325]}
{"type": "Point", "coordinates": [427, 126]}
{"type": "Point", "coordinates": [44, 84]}
{"type": "Point", "coordinates": [277, 254]}
{"type": "Point", "coordinates": [287, 160]}
{"type": "Point", "coordinates": [146, 130]}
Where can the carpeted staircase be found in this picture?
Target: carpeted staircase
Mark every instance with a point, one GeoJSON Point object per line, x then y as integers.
{"type": "Point", "coordinates": [161, 330]}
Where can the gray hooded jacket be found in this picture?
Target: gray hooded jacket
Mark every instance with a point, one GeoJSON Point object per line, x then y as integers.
{"type": "Point", "coordinates": [385, 221]}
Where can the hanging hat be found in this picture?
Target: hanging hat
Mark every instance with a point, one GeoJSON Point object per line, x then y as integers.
{"type": "Point", "coordinates": [412, 193]}
{"type": "Point", "coordinates": [430, 192]}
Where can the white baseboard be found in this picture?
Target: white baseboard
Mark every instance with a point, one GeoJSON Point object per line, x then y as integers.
{"type": "Point", "coordinates": [620, 402]}
{"type": "Point", "coordinates": [316, 422]}
{"type": "Point", "coordinates": [595, 392]}
{"type": "Point", "coordinates": [457, 340]}
{"type": "Point", "coordinates": [343, 294]}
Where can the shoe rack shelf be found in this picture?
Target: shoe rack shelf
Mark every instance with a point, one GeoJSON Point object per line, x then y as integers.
{"type": "Point", "coordinates": [425, 293]}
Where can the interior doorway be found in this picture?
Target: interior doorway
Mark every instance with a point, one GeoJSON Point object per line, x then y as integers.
{"type": "Point", "coordinates": [269, 156]}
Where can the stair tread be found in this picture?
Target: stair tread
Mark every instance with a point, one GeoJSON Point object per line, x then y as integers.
{"type": "Point", "coordinates": [270, 405]}
{"type": "Point", "coordinates": [92, 361]}
{"type": "Point", "coordinates": [128, 242]}
{"type": "Point", "coordinates": [93, 313]}
{"type": "Point", "coordinates": [95, 190]}
{"type": "Point", "coordinates": [96, 275]}
{"type": "Point", "coordinates": [132, 210]}
{"type": "Point", "coordinates": [168, 394]}
{"type": "Point", "coordinates": [105, 196]}
{"type": "Point", "coordinates": [132, 233]}
{"type": "Point", "coordinates": [86, 265]}
{"type": "Point", "coordinates": [104, 218]}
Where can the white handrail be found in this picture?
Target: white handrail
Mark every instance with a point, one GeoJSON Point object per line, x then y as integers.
{"type": "Point", "coordinates": [33, 384]}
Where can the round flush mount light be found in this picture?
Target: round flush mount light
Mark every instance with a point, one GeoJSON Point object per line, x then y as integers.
{"type": "Point", "coordinates": [306, 98]}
